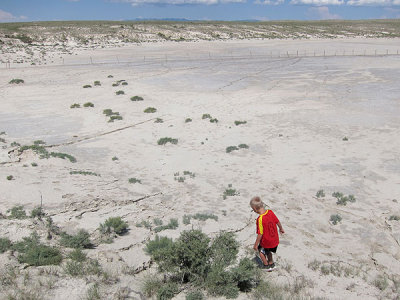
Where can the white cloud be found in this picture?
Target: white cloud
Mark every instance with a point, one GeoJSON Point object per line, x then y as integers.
{"type": "Point", "coordinates": [8, 17]}
{"type": "Point", "coordinates": [370, 2]}
{"type": "Point", "coordinates": [269, 2]}
{"type": "Point", "coordinates": [322, 13]}
{"type": "Point", "coordinates": [318, 2]}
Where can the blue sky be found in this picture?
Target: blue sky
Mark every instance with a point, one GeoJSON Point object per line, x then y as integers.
{"type": "Point", "coordinates": [53, 10]}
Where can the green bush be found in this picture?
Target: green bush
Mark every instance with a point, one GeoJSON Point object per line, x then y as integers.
{"type": "Point", "coordinates": [167, 291]}
{"type": "Point", "coordinates": [237, 123]}
{"type": "Point", "coordinates": [136, 98]}
{"type": "Point", "coordinates": [17, 212]}
{"type": "Point", "coordinates": [79, 240]}
{"type": "Point", "coordinates": [220, 282]}
{"type": "Point", "coordinates": [158, 246]}
{"type": "Point", "coordinates": [165, 140]}
{"type": "Point", "coordinates": [243, 146]}
{"type": "Point", "coordinates": [134, 180]}
{"type": "Point", "coordinates": [231, 148]}
{"type": "Point", "coordinates": [87, 86]}
{"type": "Point", "coordinates": [37, 212]}
{"type": "Point", "coordinates": [34, 164]}
{"type": "Point", "coordinates": [110, 76]}
{"type": "Point", "coordinates": [97, 83]}
{"type": "Point", "coordinates": [115, 224]}
{"type": "Point", "coordinates": [75, 105]}
{"type": "Point", "coordinates": [16, 81]}
{"type": "Point", "coordinates": [83, 173]}
{"type": "Point", "coordinates": [159, 120]}
{"type": "Point", "coordinates": [173, 224]}
{"type": "Point", "coordinates": [124, 83]}
{"type": "Point", "coordinates": [88, 104]}
{"type": "Point", "coordinates": [187, 120]}
{"type": "Point", "coordinates": [33, 253]}
{"type": "Point", "coordinates": [320, 194]}
{"type": "Point", "coordinates": [5, 244]}
{"type": "Point", "coordinates": [335, 219]}
{"type": "Point", "coordinates": [195, 295]}
{"type": "Point", "coordinates": [63, 156]}
{"type": "Point", "coordinates": [214, 120]}
{"type": "Point", "coordinates": [115, 117]}
{"type": "Point", "coordinates": [77, 255]}
{"type": "Point", "coordinates": [229, 192]}
{"type": "Point", "coordinates": [150, 110]}
{"type": "Point", "coordinates": [394, 218]}
{"type": "Point", "coordinates": [206, 116]}
{"type": "Point", "coordinates": [120, 92]}
{"type": "Point", "coordinates": [10, 177]}
{"type": "Point", "coordinates": [114, 158]}
{"type": "Point", "coordinates": [342, 200]}
{"type": "Point", "coordinates": [224, 249]}
{"type": "Point", "coordinates": [151, 285]}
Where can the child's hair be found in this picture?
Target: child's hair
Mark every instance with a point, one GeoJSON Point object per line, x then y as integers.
{"type": "Point", "coordinates": [256, 202]}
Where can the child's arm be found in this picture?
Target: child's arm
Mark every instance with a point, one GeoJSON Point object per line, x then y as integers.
{"type": "Point", "coordinates": [259, 236]}
{"type": "Point", "coordinates": [280, 227]}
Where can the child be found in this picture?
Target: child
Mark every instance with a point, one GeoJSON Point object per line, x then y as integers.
{"type": "Point", "coordinates": [267, 235]}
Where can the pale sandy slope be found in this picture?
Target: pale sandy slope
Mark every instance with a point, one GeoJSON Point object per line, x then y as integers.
{"type": "Point", "coordinates": [298, 110]}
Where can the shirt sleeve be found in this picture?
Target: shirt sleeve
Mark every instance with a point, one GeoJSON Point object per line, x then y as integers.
{"type": "Point", "coordinates": [258, 227]}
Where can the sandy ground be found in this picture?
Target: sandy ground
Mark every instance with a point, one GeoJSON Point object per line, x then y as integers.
{"type": "Point", "coordinates": [298, 112]}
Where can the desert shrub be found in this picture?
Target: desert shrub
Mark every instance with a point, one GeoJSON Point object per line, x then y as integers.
{"type": "Point", "coordinates": [335, 219]}
{"type": "Point", "coordinates": [10, 177]}
{"type": "Point", "coordinates": [37, 149]}
{"type": "Point", "coordinates": [165, 140]}
{"type": "Point", "coordinates": [224, 249]}
{"type": "Point", "coordinates": [136, 98]}
{"type": "Point", "coordinates": [204, 216]}
{"type": "Point", "coordinates": [83, 173]}
{"type": "Point", "coordinates": [150, 110]}
{"type": "Point", "coordinates": [93, 293]}
{"type": "Point", "coordinates": [108, 112]}
{"type": "Point", "coordinates": [187, 120]}
{"type": "Point", "coordinates": [74, 268]}
{"type": "Point", "coordinates": [115, 84]}
{"type": "Point", "coordinates": [124, 83]}
{"type": "Point", "coordinates": [79, 240]}
{"type": "Point", "coordinates": [237, 123]}
{"type": "Point", "coordinates": [206, 116]}
{"type": "Point", "coordinates": [173, 224]}
{"type": "Point", "coordinates": [195, 295]}
{"type": "Point", "coordinates": [157, 222]}
{"type": "Point", "coordinates": [314, 264]}
{"type": "Point", "coordinates": [342, 200]}
{"type": "Point", "coordinates": [63, 156]}
{"type": "Point", "coordinates": [77, 255]}
{"type": "Point", "coordinates": [120, 92]}
{"type": "Point", "coordinates": [229, 192]}
{"type": "Point", "coordinates": [345, 139]}
{"type": "Point", "coordinates": [167, 291]}
{"type": "Point", "coordinates": [87, 86]}
{"type": "Point", "coordinates": [394, 218]}
{"type": "Point", "coordinates": [88, 104]}
{"type": "Point", "coordinates": [15, 144]}
{"type": "Point", "coordinates": [33, 253]}
{"type": "Point", "coordinates": [17, 212]}
{"type": "Point", "coordinates": [115, 117]}
{"type": "Point", "coordinates": [159, 245]}
{"type": "Point", "coordinates": [34, 164]}
{"type": "Point", "coordinates": [220, 282]}
{"type": "Point", "coordinates": [39, 142]}
{"type": "Point", "coordinates": [134, 180]}
{"type": "Point", "coordinates": [110, 76]}
{"type": "Point", "coordinates": [245, 275]}
{"type": "Point", "coordinates": [159, 120]}
{"type": "Point", "coordinates": [5, 244]}
{"type": "Point", "coordinates": [37, 212]}
{"type": "Point", "coordinates": [150, 285]}
{"type": "Point", "coordinates": [214, 120]}
{"type": "Point", "coordinates": [75, 105]}
{"type": "Point", "coordinates": [192, 175]}
{"type": "Point", "coordinates": [97, 83]}
{"type": "Point", "coordinates": [243, 146]}
{"type": "Point", "coordinates": [381, 282]}
{"type": "Point", "coordinates": [320, 194]}
{"type": "Point", "coordinates": [229, 149]}
{"type": "Point", "coordinates": [114, 224]}
{"type": "Point", "coordinates": [114, 158]}
{"type": "Point", "coordinates": [186, 219]}
{"type": "Point", "coordinates": [145, 224]}
{"type": "Point", "coordinates": [16, 81]}
{"type": "Point", "coordinates": [269, 290]}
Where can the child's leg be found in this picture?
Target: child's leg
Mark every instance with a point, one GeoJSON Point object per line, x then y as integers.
{"type": "Point", "coordinates": [263, 258]}
{"type": "Point", "coordinates": [269, 256]}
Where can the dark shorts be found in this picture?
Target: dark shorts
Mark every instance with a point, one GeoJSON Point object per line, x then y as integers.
{"type": "Point", "coordinates": [266, 250]}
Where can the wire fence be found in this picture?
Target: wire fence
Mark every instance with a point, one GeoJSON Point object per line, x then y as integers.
{"type": "Point", "coordinates": [209, 56]}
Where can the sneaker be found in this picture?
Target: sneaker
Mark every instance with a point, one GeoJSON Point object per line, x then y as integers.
{"type": "Point", "coordinates": [271, 267]}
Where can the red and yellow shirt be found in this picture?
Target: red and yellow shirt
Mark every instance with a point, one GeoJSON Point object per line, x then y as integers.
{"type": "Point", "coordinates": [266, 225]}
